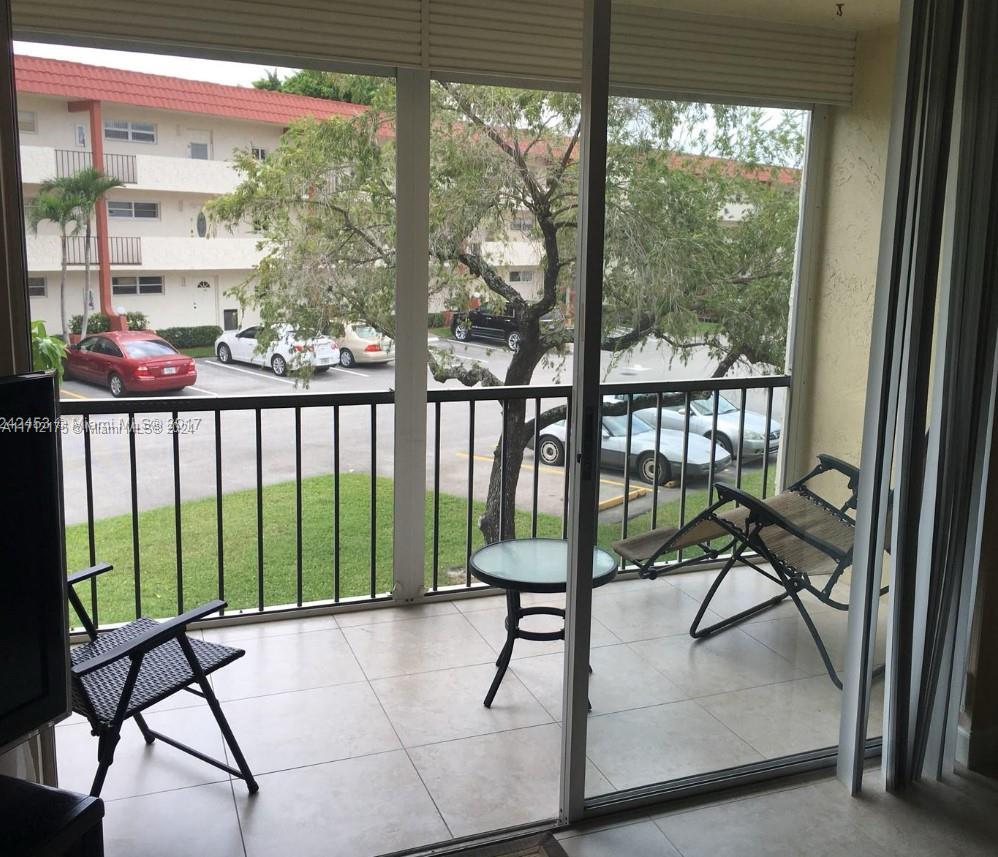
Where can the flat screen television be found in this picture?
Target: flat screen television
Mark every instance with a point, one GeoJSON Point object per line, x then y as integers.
{"type": "Point", "coordinates": [34, 651]}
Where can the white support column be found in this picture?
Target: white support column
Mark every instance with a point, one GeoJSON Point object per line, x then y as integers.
{"type": "Point", "coordinates": [583, 456]}
{"type": "Point", "coordinates": [791, 464]}
{"type": "Point", "coordinates": [411, 307]}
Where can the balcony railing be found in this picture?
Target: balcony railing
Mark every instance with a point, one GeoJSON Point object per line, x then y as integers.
{"type": "Point", "coordinates": [347, 424]}
{"type": "Point", "coordinates": [123, 250]}
{"type": "Point", "coordinates": [68, 162]}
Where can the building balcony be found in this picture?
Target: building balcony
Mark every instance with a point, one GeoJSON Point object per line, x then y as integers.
{"type": "Point", "coordinates": [151, 253]}
{"type": "Point", "coordinates": [123, 250]}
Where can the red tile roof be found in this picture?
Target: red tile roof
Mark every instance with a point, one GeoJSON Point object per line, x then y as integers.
{"type": "Point", "coordinates": [74, 80]}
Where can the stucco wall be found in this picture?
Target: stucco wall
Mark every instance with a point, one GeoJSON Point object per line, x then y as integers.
{"type": "Point", "coordinates": [837, 337]}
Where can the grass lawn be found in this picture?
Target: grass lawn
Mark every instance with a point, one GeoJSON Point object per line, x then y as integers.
{"type": "Point", "coordinates": [158, 553]}
{"type": "Point", "coordinates": [199, 351]}
{"type": "Point", "coordinates": [442, 332]}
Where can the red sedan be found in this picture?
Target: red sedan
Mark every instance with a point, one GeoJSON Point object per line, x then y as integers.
{"type": "Point", "coordinates": [130, 362]}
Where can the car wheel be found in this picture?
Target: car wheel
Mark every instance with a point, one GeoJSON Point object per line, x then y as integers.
{"type": "Point", "coordinates": [462, 332]}
{"type": "Point", "coordinates": [321, 370]}
{"type": "Point", "coordinates": [646, 469]}
{"type": "Point", "coordinates": [551, 451]}
{"type": "Point", "coordinates": [725, 442]}
{"type": "Point", "coordinates": [116, 385]}
{"type": "Point", "coordinates": [346, 358]}
{"type": "Point", "coordinates": [224, 353]}
{"type": "Point", "coordinates": [279, 365]}
{"type": "Point", "coordinates": [513, 341]}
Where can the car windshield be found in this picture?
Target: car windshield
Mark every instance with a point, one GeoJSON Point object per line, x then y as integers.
{"type": "Point", "coordinates": [365, 331]}
{"type": "Point", "coordinates": [705, 406]}
{"type": "Point", "coordinates": [617, 425]}
{"type": "Point", "coordinates": [149, 348]}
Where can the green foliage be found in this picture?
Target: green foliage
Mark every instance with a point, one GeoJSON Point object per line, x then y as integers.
{"type": "Point", "coordinates": [435, 319]}
{"type": "Point", "coordinates": [99, 323]}
{"type": "Point", "coordinates": [355, 88]}
{"type": "Point", "coordinates": [191, 337]}
{"type": "Point", "coordinates": [47, 352]}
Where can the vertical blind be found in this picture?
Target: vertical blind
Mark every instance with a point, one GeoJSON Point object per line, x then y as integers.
{"type": "Point", "coordinates": [654, 51]}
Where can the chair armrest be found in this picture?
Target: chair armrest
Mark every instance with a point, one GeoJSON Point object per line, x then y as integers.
{"type": "Point", "coordinates": [87, 573]}
{"type": "Point", "coordinates": [768, 516]}
{"type": "Point", "coordinates": [148, 640]}
{"type": "Point", "coordinates": [830, 462]}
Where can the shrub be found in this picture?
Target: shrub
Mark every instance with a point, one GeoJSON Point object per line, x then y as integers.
{"type": "Point", "coordinates": [99, 323]}
{"type": "Point", "coordinates": [191, 337]}
{"type": "Point", "coordinates": [436, 319]}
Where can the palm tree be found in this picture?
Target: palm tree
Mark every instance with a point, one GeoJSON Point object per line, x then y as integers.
{"type": "Point", "coordinates": [87, 187]}
{"type": "Point", "coordinates": [62, 210]}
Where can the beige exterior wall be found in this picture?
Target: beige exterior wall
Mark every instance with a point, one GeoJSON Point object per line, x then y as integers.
{"type": "Point", "coordinates": [836, 337]}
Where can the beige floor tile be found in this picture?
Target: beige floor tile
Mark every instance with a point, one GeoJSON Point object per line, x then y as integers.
{"type": "Point", "coordinates": [395, 614]}
{"type": "Point", "coordinates": [418, 645]}
{"type": "Point", "coordinates": [355, 808]}
{"type": "Point", "coordinates": [233, 634]}
{"type": "Point", "coordinates": [139, 768]}
{"type": "Point", "coordinates": [659, 609]}
{"type": "Point", "coordinates": [287, 730]}
{"type": "Point", "coordinates": [813, 821]}
{"type": "Point", "coordinates": [200, 820]}
{"type": "Point", "coordinates": [643, 839]}
{"type": "Point", "coordinates": [447, 704]}
{"type": "Point", "coordinates": [730, 660]}
{"type": "Point", "coordinates": [650, 745]}
{"type": "Point", "coordinates": [498, 780]}
{"type": "Point", "coordinates": [288, 662]}
{"type": "Point", "coordinates": [621, 679]}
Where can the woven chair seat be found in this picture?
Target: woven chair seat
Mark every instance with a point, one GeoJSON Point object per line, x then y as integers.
{"type": "Point", "coordinates": [164, 671]}
{"type": "Point", "coordinates": [799, 509]}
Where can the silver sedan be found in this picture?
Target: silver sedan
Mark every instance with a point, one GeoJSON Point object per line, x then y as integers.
{"type": "Point", "coordinates": [642, 460]}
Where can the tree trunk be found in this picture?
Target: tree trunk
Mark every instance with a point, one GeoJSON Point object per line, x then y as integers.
{"type": "Point", "coordinates": [729, 360]}
{"type": "Point", "coordinates": [62, 289]}
{"type": "Point", "coordinates": [86, 281]}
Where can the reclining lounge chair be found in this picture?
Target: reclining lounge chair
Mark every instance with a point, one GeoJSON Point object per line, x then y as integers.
{"type": "Point", "coordinates": [799, 535]}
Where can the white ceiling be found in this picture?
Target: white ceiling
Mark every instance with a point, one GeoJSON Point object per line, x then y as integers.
{"type": "Point", "coordinates": [856, 14]}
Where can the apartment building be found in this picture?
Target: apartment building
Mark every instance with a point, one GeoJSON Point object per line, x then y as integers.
{"type": "Point", "coordinates": [170, 141]}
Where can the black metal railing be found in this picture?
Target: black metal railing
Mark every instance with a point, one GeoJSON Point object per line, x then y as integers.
{"type": "Point", "coordinates": [68, 162]}
{"type": "Point", "coordinates": [123, 250]}
{"type": "Point", "coordinates": [105, 439]}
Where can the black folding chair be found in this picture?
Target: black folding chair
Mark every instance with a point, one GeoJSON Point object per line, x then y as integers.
{"type": "Point", "coordinates": [122, 672]}
{"type": "Point", "coordinates": [799, 535]}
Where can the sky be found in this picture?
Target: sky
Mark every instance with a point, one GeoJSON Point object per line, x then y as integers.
{"type": "Point", "coordinates": [233, 73]}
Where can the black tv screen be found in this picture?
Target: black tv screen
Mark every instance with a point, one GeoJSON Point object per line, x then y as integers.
{"type": "Point", "coordinates": [33, 638]}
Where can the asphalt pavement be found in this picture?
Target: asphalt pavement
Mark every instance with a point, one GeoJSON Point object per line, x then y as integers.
{"type": "Point", "coordinates": [197, 472]}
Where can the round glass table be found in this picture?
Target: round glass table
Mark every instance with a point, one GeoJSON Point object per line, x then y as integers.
{"type": "Point", "coordinates": [530, 565]}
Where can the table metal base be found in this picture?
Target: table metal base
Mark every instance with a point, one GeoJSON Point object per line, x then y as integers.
{"type": "Point", "coordinates": [514, 613]}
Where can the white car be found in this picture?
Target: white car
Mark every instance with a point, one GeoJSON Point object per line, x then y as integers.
{"type": "Point", "coordinates": [285, 354]}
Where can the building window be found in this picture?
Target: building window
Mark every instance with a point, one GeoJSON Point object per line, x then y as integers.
{"type": "Point", "coordinates": [199, 151]}
{"type": "Point", "coordinates": [522, 223]}
{"type": "Point", "coordinates": [137, 285]}
{"type": "Point", "coordinates": [133, 210]}
{"type": "Point", "coordinates": [37, 287]}
{"type": "Point", "coordinates": [521, 276]}
{"type": "Point", "coordinates": [202, 225]}
{"type": "Point", "coordinates": [259, 153]}
{"type": "Point", "coordinates": [27, 121]}
{"type": "Point", "coordinates": [133, 132]}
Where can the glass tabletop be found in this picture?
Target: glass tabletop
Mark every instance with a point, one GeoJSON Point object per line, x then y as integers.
{"type": "Point", "coordinates": [534, 565]}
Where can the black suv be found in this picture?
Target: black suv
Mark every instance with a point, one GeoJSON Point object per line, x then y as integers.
{"type": "Point", "coordinates": [481, 322]}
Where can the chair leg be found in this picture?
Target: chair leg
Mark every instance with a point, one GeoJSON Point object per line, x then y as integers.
{"type": "Point", "coordinates": [106, 743]}
{"type": "Point", "coordinates": [147, 733]}
{"type": "Point", "coordinates": [230, 738]}
{"type": "Point", "coordinates": [812, 629]}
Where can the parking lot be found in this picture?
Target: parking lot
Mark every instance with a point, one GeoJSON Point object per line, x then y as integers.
{"type": "Point", "coordinates": [154, 463]}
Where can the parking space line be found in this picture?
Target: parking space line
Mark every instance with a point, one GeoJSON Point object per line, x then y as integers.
{"type": "Point", "coordinates": [543, 468]}
{"type": "Point", "coordinates": [206, 392]}
{"type": "Point", "coordinates": [72, 395]}
{"type": "Point", "coordinates": [350, 371]}
{"type": "Point", "coordinates": [268, 375]}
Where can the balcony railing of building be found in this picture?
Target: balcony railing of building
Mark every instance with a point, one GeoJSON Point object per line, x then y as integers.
{"type": "Point", "coordinates": [124, 250]}
{"type": "Point", "coordinates": [468, 417]}
{"type": "Point", "coordinates": [68, 162]}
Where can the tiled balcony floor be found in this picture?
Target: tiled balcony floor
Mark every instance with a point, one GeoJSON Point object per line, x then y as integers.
{"type": "Point", "coordinates": [367, 732]}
